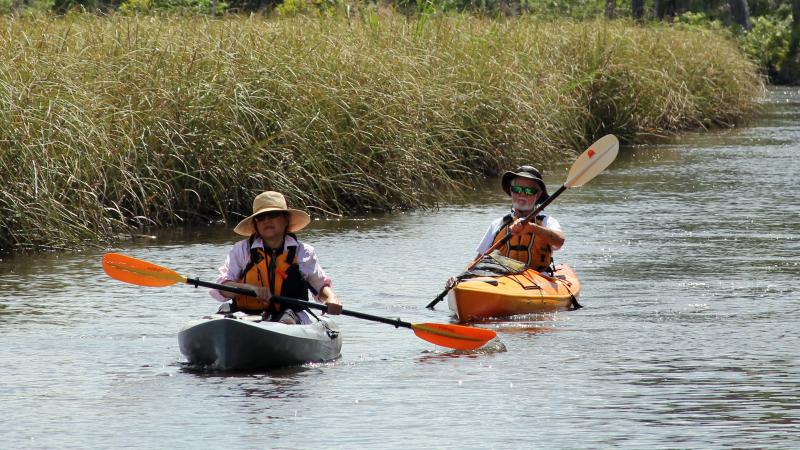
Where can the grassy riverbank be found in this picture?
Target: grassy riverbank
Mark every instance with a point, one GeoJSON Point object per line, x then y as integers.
{"type": "Point", "coordinates": [108, 124]}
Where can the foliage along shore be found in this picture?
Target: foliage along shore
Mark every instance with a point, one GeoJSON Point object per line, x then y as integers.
{"type": "Point", "coordinates": [113, 124]}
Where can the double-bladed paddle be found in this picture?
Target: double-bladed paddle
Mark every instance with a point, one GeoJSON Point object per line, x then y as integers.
{"type": "Point", "coordinates": [143, 273]}
{"type": "Point", "coordinates": [594, 160]}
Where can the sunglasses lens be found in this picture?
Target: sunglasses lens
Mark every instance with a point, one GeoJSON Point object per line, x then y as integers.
{"type": "Point", "coordinates": [269, 215]}
{"type": "Point", "coordinates": [526, 189]}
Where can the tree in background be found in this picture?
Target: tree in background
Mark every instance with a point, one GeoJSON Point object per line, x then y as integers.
{"type": "Point", "coordinates": [740, 13]}
{"type": "Point", "coordinates": [796, 13]}
{"type": "Point", "coordinates": [637, 10]}
{"type": "Point", "coordinates": [611, 9]}
{"type": "Point", "coordinates": [736, 11]}
{"type": "Point", "coordinates": [670, 8]}
{"type": "Point", "coordinates": [791, 71]}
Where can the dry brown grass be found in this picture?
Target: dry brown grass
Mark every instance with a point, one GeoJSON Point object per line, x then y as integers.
{"type": "Point", "coordinates": [109, 124]}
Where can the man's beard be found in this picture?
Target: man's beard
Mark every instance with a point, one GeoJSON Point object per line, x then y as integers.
{"type": "Point", "coordinates": [522, 208]}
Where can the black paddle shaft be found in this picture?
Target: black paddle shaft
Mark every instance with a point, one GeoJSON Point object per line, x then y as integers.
{"type": "Point", "coordinates": [297, 302]}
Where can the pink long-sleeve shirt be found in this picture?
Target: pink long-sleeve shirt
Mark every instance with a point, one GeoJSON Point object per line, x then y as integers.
{"type": "Point", "coordinates": [239, 256]}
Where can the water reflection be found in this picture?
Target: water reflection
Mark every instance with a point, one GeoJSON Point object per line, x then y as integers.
{"type": "Point", "coordinates": [210, 373]}
{"type": "Point", "coordinates": [492, 347]}
{"type": "Point", "coordinates": [533, 323]}
{"type": "Point", "coordinates": [269, 384]}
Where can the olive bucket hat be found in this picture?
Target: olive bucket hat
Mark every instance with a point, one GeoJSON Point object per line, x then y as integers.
{"type": "Point", "coordinates": [528, 172]}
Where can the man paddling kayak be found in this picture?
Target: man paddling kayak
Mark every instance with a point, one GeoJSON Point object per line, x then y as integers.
{"type": "Point", "coordinates": [531, 243]}
{"type": "Point", "coordinates": [272, 261]}
{"type": "Point", "coordinates": [545, 230]}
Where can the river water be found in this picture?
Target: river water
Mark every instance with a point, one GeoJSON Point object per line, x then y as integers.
{"type": "Point", "coordinates": [689, 256]}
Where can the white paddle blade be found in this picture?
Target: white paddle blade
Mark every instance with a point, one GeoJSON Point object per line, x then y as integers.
{"type": "Point", "coordinates": [593, 161]}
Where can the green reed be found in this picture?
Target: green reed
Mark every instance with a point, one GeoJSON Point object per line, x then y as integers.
{"type": "Point", "coordinates": [113, 124]}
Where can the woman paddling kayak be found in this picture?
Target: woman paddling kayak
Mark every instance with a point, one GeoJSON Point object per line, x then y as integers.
{"type": "Point", "coordinates": [272, 261]}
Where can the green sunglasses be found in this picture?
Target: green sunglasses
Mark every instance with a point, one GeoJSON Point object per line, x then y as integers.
{"type": "Point", "coordinates": [526, 189]}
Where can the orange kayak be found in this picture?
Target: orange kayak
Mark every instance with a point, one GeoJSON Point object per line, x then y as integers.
{"type": "Point", "coordinates": [508, 295]}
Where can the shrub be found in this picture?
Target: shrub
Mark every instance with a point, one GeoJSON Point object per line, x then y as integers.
{"type": "Point", "coordinates": [768, 42]}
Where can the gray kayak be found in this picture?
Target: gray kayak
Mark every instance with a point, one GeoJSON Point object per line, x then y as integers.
{"type": "Point", "coordinates": [242, 342]}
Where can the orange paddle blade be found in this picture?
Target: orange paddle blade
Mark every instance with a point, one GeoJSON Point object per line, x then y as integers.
{"type": "Point", "coordinates": [458, 337]}
{"type": "Point", "coordinates": [136, 271]}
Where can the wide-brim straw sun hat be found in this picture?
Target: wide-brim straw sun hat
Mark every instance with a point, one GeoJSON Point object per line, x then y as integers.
{"type": "Point", "coordinates": [272, 201]}
{"type": "Point", "coordinates": [528, 172]}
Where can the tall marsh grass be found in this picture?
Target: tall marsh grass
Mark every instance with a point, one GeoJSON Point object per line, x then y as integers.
{"type": "Point", "coordinates": [112, 124]}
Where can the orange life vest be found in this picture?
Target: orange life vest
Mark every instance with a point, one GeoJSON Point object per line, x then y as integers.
{"type": "Point", "coordinates": [280, 272]}
{"type": "Point", "coordinates": [525, 247]}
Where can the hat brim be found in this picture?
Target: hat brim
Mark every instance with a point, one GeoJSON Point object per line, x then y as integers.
{"type": "Point", "coordinates": [505, 182]}
{"type": "Point", "coordinates": [297, 221]}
